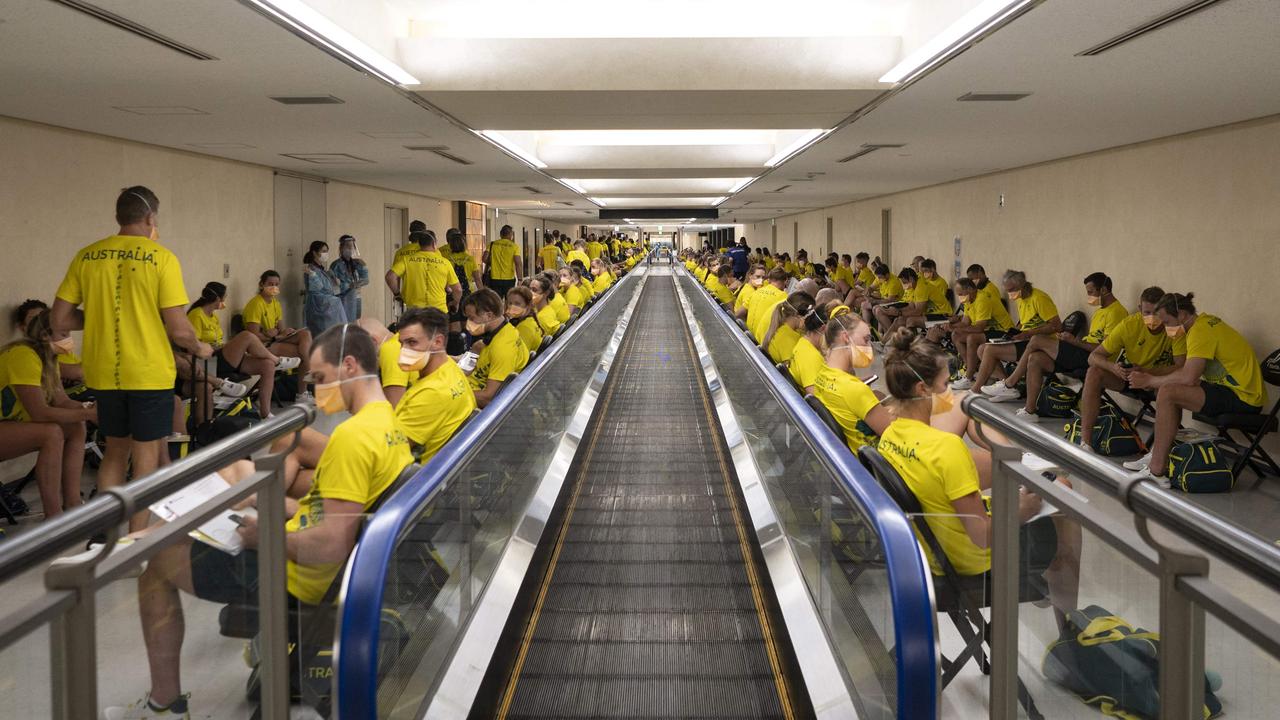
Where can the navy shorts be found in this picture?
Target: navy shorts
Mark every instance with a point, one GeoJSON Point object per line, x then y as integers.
{"type": "Point", "coordinates": [1070, 358]}
{"type": "Point", "coordinates": [1222, 400]}
{"type": "Point", "coordinates": [220, 577]}
{"type": "Point", "coordinates": [143, 415]}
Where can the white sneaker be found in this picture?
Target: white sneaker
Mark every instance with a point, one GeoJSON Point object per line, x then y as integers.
{"type": "Point", "coordinates": [287, 363]}
{"type": "Point", "coordinates": [233, 389]}
{"type": "Point", "coordinates": [1022, 413]}
{"type": "Point", "coordinates": [143, 710]}
{"type": "Point", "coordinates": [1138, 464]}
{"type": "Point", "coordinates": [1146, 474]}
{"type": "Point", "coordinates": [94, 550]}
{"type": "Point", "coordinates": [1001, 393]}
{"type": "Point", "coordinates": [304, 397]}
{"type": "Point", "coordinates": [962, 384]}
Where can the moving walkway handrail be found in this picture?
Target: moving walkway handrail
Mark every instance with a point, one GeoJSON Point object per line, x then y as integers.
{"type": "Point", "coordinates": [1248, 552]}
{"type": "Point", "coordinates": [107, 510]}
{"type": "Point", "coordinates": [914, 623]}
{"type": "Point", "coordinates": [356, 652]}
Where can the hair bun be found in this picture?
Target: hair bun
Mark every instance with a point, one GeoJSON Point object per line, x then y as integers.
{"type": "Point", "coordinates": [899, 343]}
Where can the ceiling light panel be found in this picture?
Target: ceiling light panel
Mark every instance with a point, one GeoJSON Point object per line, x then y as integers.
{"type": "Point", "coordinates": [159, 110]}
{"type": "Point", "coordinates": [681, 202]}
{"type": "Point", "coordinates": [625, 186]}
{"type": "Point", "coordinates": [644, 149]}
{"type": "Point", "coordinates": [312, 24]}
{"type": "Point", "coordinates": [955, 38]}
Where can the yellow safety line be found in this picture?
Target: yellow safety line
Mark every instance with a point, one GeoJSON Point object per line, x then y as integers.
{"type": "Point", "coordinates": [757, 594]}
{"type": "Point", "coordinates": [527, 640]}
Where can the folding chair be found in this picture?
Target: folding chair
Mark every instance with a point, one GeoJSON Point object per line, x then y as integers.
{"type": "Point", "coordinates": [1254, 427]}
{"type": "Point", "coordinates": [961, 597]}
{"type": "Point", "coordinates": [825, 415]}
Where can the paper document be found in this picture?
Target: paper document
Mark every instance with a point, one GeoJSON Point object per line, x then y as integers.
{"type": "Point", "coordinates": [220, 531]}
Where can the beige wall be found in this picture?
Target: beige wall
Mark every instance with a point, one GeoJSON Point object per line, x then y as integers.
{"type": "Point", "coordinates": [1197, 212]}
{"type": "Point", "coordinates": [58, 189]}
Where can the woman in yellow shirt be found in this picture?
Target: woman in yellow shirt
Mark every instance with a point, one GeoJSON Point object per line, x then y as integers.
{"type": "Point", "coordinates": [755, 279]}
{"type": "Point", "coordinates": [521, 313]}
{"type": "Point", "coordinates": [264, 317]}
{"type": "Point", "coordinates": [784, 326]}
{"type": "Point", "coordinates": [570, 291]}
{"type": "Point", "coordinates": [807, 360]}
{"type": "Point", "coordinates": [849, 400]}
{"type": "Point", "coordinates": [243, 354]}
{"type": "Point", "coordinates": [501, 351]}
{"type": "Point", "coordinates": [604, 278]}
{"type": "Point", "coordinates": [559, 308]}
{"type": "Point", "coordinates": [37, 416]}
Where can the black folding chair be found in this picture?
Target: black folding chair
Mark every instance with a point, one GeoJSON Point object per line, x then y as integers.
{"type": "Point", "coordinates": [961, 597]}
{"type": "Point", "coordinates": [825, 415]}
{"type": "Point", "coordinates": [1254, 427]}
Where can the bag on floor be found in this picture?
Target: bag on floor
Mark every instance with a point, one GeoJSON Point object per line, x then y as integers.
{"type": "Point", "coordinates": [285, 390]}
{"type": "Point", "coordinates": [1113, 435]}
{"type": "Point", "coordinates": [1199, 467]}
{"type": "Point", "coordinates": [1056, 399]}
{"type": "Point", "coordinates": [1112, 665]}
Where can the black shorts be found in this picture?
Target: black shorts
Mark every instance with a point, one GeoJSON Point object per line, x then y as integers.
{"type": "Point", "coordinates": [1222, 400]}
{"type": "Point", "coordinates": [993, 334]}
{"type": "Point", "coordinates": [226, 369]}
{"type": "Point", "coordinates": [1070, 358]}
{"type": "Point", "coordinates": [143, 415]}
{"type": "Point", "coordinates": [219, 577]}
{"type": "Point", "coordinates": [1037, 546]}
{"type": "Point", "coordinates": [934, 317]}
{"type": "Point", "coordinates": [502, 287]}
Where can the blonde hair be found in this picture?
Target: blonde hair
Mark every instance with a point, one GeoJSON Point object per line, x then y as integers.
{"type": "Point", "coordinates": [36, 337]}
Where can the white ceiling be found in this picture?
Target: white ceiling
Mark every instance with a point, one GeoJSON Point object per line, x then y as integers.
{"type": "Point", "coordinates": [756, 68]}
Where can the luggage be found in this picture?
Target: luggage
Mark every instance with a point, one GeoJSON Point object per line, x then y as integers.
{"type": "Point", "coordinates": [1056, 399]}
{"type": "Point", "coordinates": [1199, 467]}
{"type": "Point", "coordinates": [1113, 435]}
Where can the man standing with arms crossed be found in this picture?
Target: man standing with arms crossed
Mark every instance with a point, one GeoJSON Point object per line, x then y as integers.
{"type": "Point", "coordinates": [134, 306]}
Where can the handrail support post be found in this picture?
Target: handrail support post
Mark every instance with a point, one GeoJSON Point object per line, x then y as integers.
{"type": "Point", "coordinates": [273, 614]}
{"type": "Point", "coordinates": [1005, 491]}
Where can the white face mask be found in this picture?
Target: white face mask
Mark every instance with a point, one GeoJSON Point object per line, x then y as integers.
{"type": "Point", "coordinates": [323, 257]}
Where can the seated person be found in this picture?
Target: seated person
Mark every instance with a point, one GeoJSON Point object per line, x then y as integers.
{"type": "Point", "coordinates": [754, 281]}
{"type": "Point", "coordinates": [520, 312]}
{"type": "Point", "coordinates": [569, 290]}
{"type": "Point", "coordinates": [843, 276]}
{"type": "Point", "coordinates": [264, 318]}
{"type": "Point", "coordinates": [585, 285]}
{"type": "Point", "coordinates": [1037, 315]}
{"type": "Point", "coordinates": [37, 416]}
{"type": "Point", "coordinates": [803, 268]}
{"type": "Point", "coordinates": [395, 381]}
{"type": "Point", "coordinates": [723, 284]}
{"type": "Point", "coordinates": [760, 309]}
{"type": "Point", "coordinates": [939, 470]}
{"type": "Point", "coordinates": [244, 354]}
{"type": "Point", "coordinates": [926, 298]}
{"type": "Point", "coordinates": [885, 289]}
{"type": "Point", "coordinates": [784, 326]}
{"type": "Point", "coordinates": [501, 351]}
{"type": "Point", "coordinates": [1138, 343]}
{"type": "Point", "coordinates": [978, 275]}
{"type": "Point", "coordinates": [543, 289]}
{"type": "Point", "coordinates": [1065, 353]}
{"type": "Point", "coordinates": [1221, 376]}
{"type": "Point", "coordinates": [440, 399]}
{"type": "Point", "coordinates": [807, 359]}
{"type": "Point", "coordinates": [849, 400]}
{"type": "Point", "coordinates": [70, 367]}
{"type": "Point", "coordinates": [366, 453]}
{"type": "Point", "coordinates": [980, 319]}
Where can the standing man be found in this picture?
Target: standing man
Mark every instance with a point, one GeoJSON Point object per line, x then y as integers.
{"type": "Point", "coordinates": [549, 255]}
{"type": "Point", "coordinates": [426, 278]}
{"type": "Point", "coordinates": [741, 256]}
{"type": "Point", "coordinates": [504, 262]}
{"type": "Point", "coordinates": [134, 306]}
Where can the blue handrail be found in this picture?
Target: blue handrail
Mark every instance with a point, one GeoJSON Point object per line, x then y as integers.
{"type": "Point", "coordinates": [356, 651]}
{"type": "Point", "coordinates": [912, 600]}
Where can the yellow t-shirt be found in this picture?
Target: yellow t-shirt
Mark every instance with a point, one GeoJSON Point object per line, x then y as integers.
{"type": "Point", "coordinates": [572, 295]}
{"type": "Point", "coordinates": [993, 292]}
{"type": "Point", "coordinates": [783, 344]}
{"type": "Point", "coordinates": [433, 409]}
{"type": "Point", "coordinates": [981, 308]}
{"type": "Point", "coordinates": [123, 282]}
{"type": "Point", "coordinates": [1105, 320]}
{"type": "Point", "coordinates": [594, 249]}
{"type": "Point", "coordinates": [425, 278]}
{"type": "Point", "coordinates": [587, 290]}
{"type": "Point", "coordinates": [850, 401]}
{"type": "Point", "coordinates": [208, 327]}
{"type": "Point", "coordinates": [843, 273]}
{"type": "Point", "coordinates": [464, 260]}
{"type": "Point", "coordinates": [806, 363]}
{"type": "Point", "coordinates": [576, 254]}
{"type": "Point", "coordinates": [938, 469]}
{"type": "Point", "coordinates": [530, 333]}
{"type": "Point", "coordinates": [389, 364]}
{"type": "Point", "coordinates": [1141, 347]}
{"type": "Point", "coordinates": [266, 313]}
{"type": "Point", "coordinates": [1036, 310]}
{"type": "Point", "coordinates": [19, 365]}
{"type": "Point", "coordinates": [365, 454]}
{"type": "Point", "coordinates": [866, 276]}
{"type": "Point", "coordinates": [550, 255]}
{"type": "Point", "coordinates": [1229, 359]}
{"type": "Point", "coordinates": [891, 289]}
{"type": "Point", "coordinates": [717, 288]}
{"type": "Point", "coordinates": [769, 262]}
{"type": "Point", "coordinates": [502, 259]}
{"type": "Point", "coordinates": [405, 251]}
{"type": "Point", "coordinates": [560, 308]}
{"type": "Point", "coordinates": [934, 294]}
{"type": "Point", "coordinates": [760, 310]}
{"type": "Point", "coordinates": [506, 353]}
{"type": "Point", "coordinates": [602, 282]}
{"type": "Point", "coordinates": [744, 296]}
{"type": "Point", "coordinates": [548, 320]}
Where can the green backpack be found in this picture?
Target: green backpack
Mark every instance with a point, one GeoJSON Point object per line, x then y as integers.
{"type": "Point", "coordinates": [1113, 435]}
{"type": "Point", "coordinates": [1056, 399]}
{"type": "Point", "coordinates": [1199, 467]}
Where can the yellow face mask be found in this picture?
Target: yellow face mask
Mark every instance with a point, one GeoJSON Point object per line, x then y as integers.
{"type": "Point", "coordinates": [1015, 294]}
{"type": "Point", "coordinates": [1175, 331]}
{"type": "Point", "coordinates": [943, 402]}
{"type": "Point", "coordinates": [1151, 321]}
{"type": "Point", "coordinates": [861, 355]}
{"type": "Point", "coordinates": [411, 360]}
{"type": "Point", "coordinates": [1093, 300]}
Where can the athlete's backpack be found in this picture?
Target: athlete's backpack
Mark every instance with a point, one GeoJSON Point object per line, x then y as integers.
{"type": "Point", "coordinates": [1112, 435]}
{"type": "Point", "coordinates": [1113, 665]}
{"type": "Point", "coordinates": [1056, 399]}
{"type": "Point", "coordinates": [1199, 467]}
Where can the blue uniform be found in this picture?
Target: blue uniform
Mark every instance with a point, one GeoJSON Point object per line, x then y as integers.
{"type": "Point", "coordinates": [323, 308]}
{"type": "Point", "coordinates": [741, 260]}
{"type": "Point", "coordinates": [352, 275]}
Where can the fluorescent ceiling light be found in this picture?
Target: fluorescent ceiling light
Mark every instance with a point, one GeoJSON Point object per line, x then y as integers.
{"type": "Point", "coordinates": [806, 138]}
{"type": "Point", "coordinates": [598, 201]}
{"type": "Point", "coordinates": [320, 28]}
{"type": "Point", "coordinates": [511, 147]}
{"type": "Point", "coordinates": [574, 186]}
{"type": "Point", "coordinates": [956, 35]}
{"type": "Point", "coordinates": [745, 182]}
{"type": "Point", "coordinates": [656, 137]}
{"type": "Point", "coordinates": [719, 200]}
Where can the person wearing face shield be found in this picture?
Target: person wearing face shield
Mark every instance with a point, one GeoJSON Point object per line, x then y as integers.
{"type": "Point", "coordinates": [352, 274]}
{"type": "Point", "coordinates": [361, 459]}
{"type": "Point", "coordinates": [439, 399]}
{"type": "Point", "coordinates": [1138, 343]}
{"type": "Point", "coordinates": [501, 351]}
{"type": "Point", "coordinates": [939, 470]}
{"type": "Point", "coordinates": [1221, 376]}
{"type": "Point", "coordinates": [322, 307]}
{"type": "Point", "coordinates": [849, 400]}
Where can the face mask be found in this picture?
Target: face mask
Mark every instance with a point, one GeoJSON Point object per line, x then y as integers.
{"type": "Point", "coordinates": [965, 298]}
{"type": "Point", "coordinates": [348, 253]}
{"type": "Point", "coordinates": [1015, 294]}
{"type": "Point", "coordinates": [757, 282]}
{"type": "Point", "coordinates": [415, 360]}
{"type": "Point", "coordinates": [1093, 300]}
{"type": "Point", "coordinates": [861, 355]}
{"type": "Point", "coordinates": [271, 290]}
{"type": "Point", "coordinates": [65, 346]}
{"type": "Point", "coordinates": [323, 257]}
{"type": "Point", "coordinates": [1175, 331]}
{"type": "Point", "coordinates": [475, 327]}
{"type": "Point", "coordinates": [943, 402]}
{"type": "Point", "coordinates": [1151, 321]}
{"type": "Point", "coordinates": [565, 282]}
{"type": "Point", "coordinates": [513, 313]}
{"type": "Point", "coordinates": [595, 271]}
{"type": "Point", "coordinates": [329, 398]}
{"type": "Point", "coordinates": [539, 297]}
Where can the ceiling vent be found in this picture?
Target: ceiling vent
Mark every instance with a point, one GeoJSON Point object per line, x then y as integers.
{"type": "Point", "coordinates": [326, 158]}
{"type": "Point", "coordinates": [778, 189]}
{"type": "Point", "coordinates": [130, 26]}
{"type": "Point", "coordinates": [442, 151]}
{"type": "Point", "coordinates": [307, 99]}
{"type": "Point", "coordinates": [566, 203]}
{"type": "Point", "coordinates": [535, 190]}
{"type": "Point", "coordinates": [868, 148]}
{"type": "Point", "coordinates": [220, 146]}
{"type": "Point", "coordinates": [1007, 96]}
{"type": "Point", "coordinates": [160, 110]}
{"type": "Point", "coordinates": [1166, 19]}
{"type": "Point", "coordinates": [509, 182]}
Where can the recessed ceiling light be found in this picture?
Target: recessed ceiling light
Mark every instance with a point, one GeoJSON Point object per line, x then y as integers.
{"type": "Point", "coordinates": [656, 137]}
{"type": "Point", "coordinates": [326, 158]}
{"type": "Point", "coordinates": [159, 110]}
{"type": "Point", "coordinates": [506, 144]}
{"type": "Point", "coordinates": [1005, 96]}
{"type": "Point", "coordinates": [954, 38]}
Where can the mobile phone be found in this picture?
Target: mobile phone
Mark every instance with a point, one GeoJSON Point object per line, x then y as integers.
{"type": "Point", "coordinates": [871, 378]}
{"type": "Point", "coordinates": [237, 519]}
